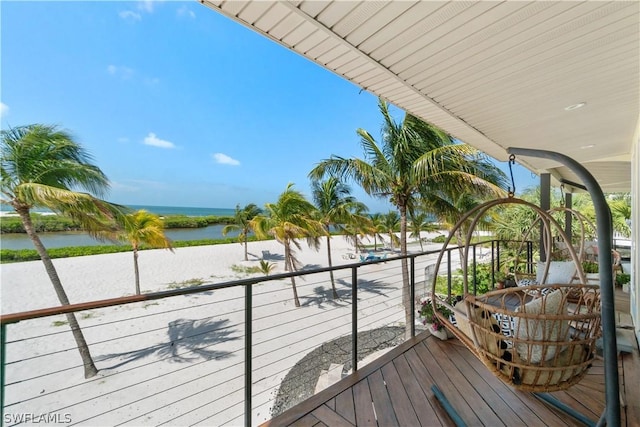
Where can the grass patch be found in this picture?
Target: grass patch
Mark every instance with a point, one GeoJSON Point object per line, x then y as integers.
{"type": "Point", "coordinates": [242, 269]}
{"type": "Point", "coordinates": [59, 323]}
{"type": "Point", "coordinates": [190, 283]}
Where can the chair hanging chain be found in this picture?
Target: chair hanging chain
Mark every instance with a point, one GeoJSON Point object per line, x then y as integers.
{"type": "Point", "coordinates": [512, 161]}
{"type": "Point", "coordinates": [562, 195]}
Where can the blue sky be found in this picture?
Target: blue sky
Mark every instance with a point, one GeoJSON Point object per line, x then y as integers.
{"type": "Point", "coordinates": [178, 104]}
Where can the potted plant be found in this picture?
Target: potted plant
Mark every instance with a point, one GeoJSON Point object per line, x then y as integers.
{"type": "Point", "coordinates": [429, 318]}
{"type": "Point", "coordinates": [622, 279]}
{"type": "Point", "coordinates": [591, 269]}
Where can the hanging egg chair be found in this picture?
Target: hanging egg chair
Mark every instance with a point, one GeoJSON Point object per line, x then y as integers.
{"type": "Point", "coordinates": [539, 336]}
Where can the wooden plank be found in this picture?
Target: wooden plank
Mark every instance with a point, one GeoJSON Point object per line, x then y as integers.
{"type": "Point", "coordinates": [344, 405]}
{"type": "Point", "coordinates": [440, 378]}
{"type": "Point", "coordinates": [331, 418]}
{"type": "Point", "coordinates": [465, 388]}
{"type": "Point", "coordinates": [381, 401]}
{"type": "Point", "coordinates": [307, 406]}
{"type": "Point", "coordinates": [425, 381]}
{"type": "Point", "coordinates": [363, 404]}
{"type": "Point", "coordinates": [331, 403]}
{"type": "Point", "coordinates": [420, 401]}
{"type": "Point", "coordinates": [631, 370]}
{"type": "Point", "coordinates": [531, 409]}
{"type": "Point", "coordinates": [494, 399]}
{"type": "Point", "coordinates": [306, 421]}
{"type": "Point", "coordinates": [399, 397]}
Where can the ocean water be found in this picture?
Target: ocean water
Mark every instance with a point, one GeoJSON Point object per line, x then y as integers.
{"type": "Point", "coordinates": [188, 211]}
{"type": "Point", "coordinates": [76, 238]}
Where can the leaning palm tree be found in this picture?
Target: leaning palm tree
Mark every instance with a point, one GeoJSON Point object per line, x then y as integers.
{"type": "Point", "coordinates": [334, 204]}
{"type": "Point", "coordinates": [143, 228]}
{"type": "Point", "coordinates": [289, 219]}
{"type": "Point", "coordinates": [377, 228]}
{"type": "Point", "coordinates": [358, 226]}
{"type": "Point", "coordinates": [242, 222]}
{"type": "Point", "coordinates": [417, 223]}
{"type": "Point", "coordinates": [391, 223]}
{"type": "Point", "coordinates": [41, 166]}
{"type": "Point", "coordinates": [412, 158]}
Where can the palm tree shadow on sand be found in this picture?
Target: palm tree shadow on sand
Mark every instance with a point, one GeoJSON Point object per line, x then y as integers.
{"type": "Point", "coordinates": [323, 294]}
{"type": "Point", "coordinates": [188, 340]}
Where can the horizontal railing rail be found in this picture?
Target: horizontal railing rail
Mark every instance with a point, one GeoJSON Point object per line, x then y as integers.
{"type": "Point", "coordinates": [247, 358]}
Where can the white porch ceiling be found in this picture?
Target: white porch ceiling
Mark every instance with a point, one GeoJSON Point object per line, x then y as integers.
{"type": "Point", "coordinates": [492, 74]}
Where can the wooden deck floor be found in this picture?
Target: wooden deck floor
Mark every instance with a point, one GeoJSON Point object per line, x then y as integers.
{"type": "Point", "coordinates": [395, 390]}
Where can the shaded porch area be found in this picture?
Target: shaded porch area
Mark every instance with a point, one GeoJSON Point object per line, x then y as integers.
{"type": "Point", "coordinates": [395, 390]}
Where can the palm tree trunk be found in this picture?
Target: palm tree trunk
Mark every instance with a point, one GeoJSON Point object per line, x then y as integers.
{"type": "Point", "coordinates": [136, 271]}
{"type": "Point", "coordinates": [90, 369]}
{"type": "Point", "coordinates": [333, 283]}
{"type": "Point", "coordinates": [406, 292]}
{"type": "Point", "coordinates": [288, 266]}
{"type": "Point", "coordinates": [246, 250]}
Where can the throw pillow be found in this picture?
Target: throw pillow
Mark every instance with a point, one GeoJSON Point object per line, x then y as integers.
{"type": "Point", "coordinates": [542, 330]}
{"type": "Point", "coordinates": [560, 272]}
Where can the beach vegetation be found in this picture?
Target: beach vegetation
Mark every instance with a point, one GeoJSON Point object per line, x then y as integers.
{"type": "Point", "coordinates": [377, 228]}
{"type": "Point", "coordinates": [189, 283]}
{"type": "Point", "coordinates": [266, 267]}
{"type": "Point", "coordinates": [289, 219]}
{"type": "Point", "coordinates": [413, 159]}
{"type": "Point", "coordinates": [335, 208]}
{"type": "Point", "coordinates": [42, 166]}
{"type": "Point", "coordinates": [417, 224]}
{"type": "Point", "coordinates": [246, 269]}
{"type": "Point", "coordinates": [57, 323]}
{"type": "Point", "coordinates": [358, 227]}
{"type": "Point", "coordinates": [242, 223]}
{"type": "Point", "coordinates": [139, 228]}
{"type": "Point", "coordinates": [391, 223]}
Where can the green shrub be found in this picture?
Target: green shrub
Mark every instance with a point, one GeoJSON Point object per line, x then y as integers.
{"type": "Point", "coordinates": [439, 239]}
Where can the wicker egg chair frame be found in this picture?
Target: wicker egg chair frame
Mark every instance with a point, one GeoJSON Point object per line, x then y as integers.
{"type": "Point", "coordinates": [551, 338]}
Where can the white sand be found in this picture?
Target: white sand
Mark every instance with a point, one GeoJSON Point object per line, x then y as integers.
{"type": "Point", "coordinates": [151, 372]}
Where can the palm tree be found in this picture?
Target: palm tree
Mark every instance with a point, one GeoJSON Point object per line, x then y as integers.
{"type": "Point", "coordinates": [290, 218]}
{"type": "Point", "coordinates": [40, 167]}
{"type": "Point", "coordinates": [413, 158]}
{"type": "Point", "coordinates": [391, 223]}
{"type": "Point", "coordinates": [358, 225]}
{"type": "Point", "coordinates": [417, 223]}
{"type": "Point", "coordinates": [377, 228]}
{"type": "Point", "coordinates": [334, 204]}
{"type": "Point", "coordinates": [242, 223]}
{"type": "Point", "coordinates": [142, 227]}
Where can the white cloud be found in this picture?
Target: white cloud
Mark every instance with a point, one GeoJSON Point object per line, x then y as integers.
{"type": "Point", "coordinates": [223, 159]}
{"type": "Point", "coordinates": [154, 141]}
{"type": "Point", "coordinates": [146, 5]}
{"type": "Point", "coordinates": [185, 11]}
{"type": "Point", "coordinates": [129, 15]}
{"type": "Point", "coordinates": [120, 71]}
{"type": "Point", "coordinates": [4, 109]}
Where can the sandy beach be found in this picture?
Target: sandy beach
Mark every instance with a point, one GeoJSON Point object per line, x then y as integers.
{"type": "Point", "coordinates": [180, 360]}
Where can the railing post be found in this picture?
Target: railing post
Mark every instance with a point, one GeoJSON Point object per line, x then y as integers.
{"type": "Point", "coordinates": [248, 331]}
{"type": "Point", "coordinates": [354, 318]}
{"type": "Point", "coordinates": [475, 276]}
{"type": "Point", "coordinates": [3, 357]}
{"type": "Point", "coordinates": [449, 274]}
{"type": "Point", "coordinates": [412, 292]}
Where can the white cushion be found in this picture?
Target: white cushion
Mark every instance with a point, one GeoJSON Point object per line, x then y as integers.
{"type": "Point", "coordinates": [560, 272]}
{"type": "Point", "coordinates": [540, 329]}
